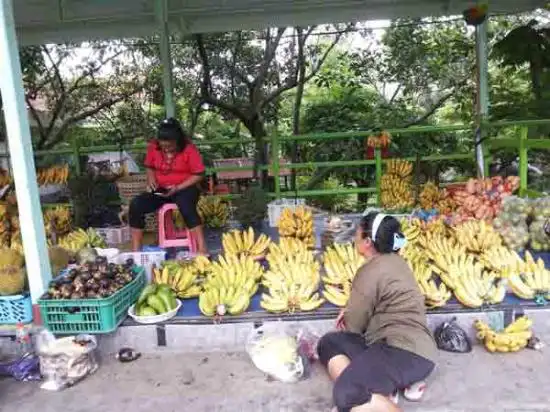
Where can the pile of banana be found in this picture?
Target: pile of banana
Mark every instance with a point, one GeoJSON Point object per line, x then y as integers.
{"type": "Point", "coordinates": [244, 243]}
{"type": "Point", "coordinates": [58, 220]}
{"type": "Point", "coordinates": [54, 175]}
{"type": "Point", "coordinates": [396, 186]}
{"type": "Point", "coordinates": [5, 226]}
{"type": "Point", "coordinates": [225, 300]}
{"type": "Point", "coordinates": [435, 296]}
{"type": "Point", "coordinates": [291, 298]}
{"type": "Point", "coordinates": [289, 246]}
{"type": "Point", "coordinates": [477, 235]}
{"type": "Point", "coordinates": [341, 263]}
{"type": "Point", "coordinates": [80, 239]}
{"type": "Point", "coordinates": [529, 279]}
{"type": "Point", "coordinates": [513, 338]}
{"type": "Point", "coordinates": [297, 223]}
{"type": "Point", "coordinates": [213, 211]}
{"type": "Point", "coordinates": [180, 276]}
{"type": "Point", "coordinates": [290, 251]}
{"type": "Point", "coordinates": [431, 197]}
{"type": "Point", "coordinates": [291, 270]}
{"type": "Point", "coordinates": [501, 259]}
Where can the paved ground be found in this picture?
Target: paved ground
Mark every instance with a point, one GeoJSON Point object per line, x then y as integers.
{"type": "Point", "coordinates": [209, 382]}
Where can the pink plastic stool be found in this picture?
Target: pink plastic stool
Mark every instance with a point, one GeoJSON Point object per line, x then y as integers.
{"type": "Point", "coordinates": [169, 236]}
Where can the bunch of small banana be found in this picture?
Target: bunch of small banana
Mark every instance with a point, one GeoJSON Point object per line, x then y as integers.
{"type": "Point", "coordinates": [244, 243]}
{"type": "Point", "coordinates": [396, 192]}
{"type": "Point", "coordinates": [412, 229]}
{"type": "Point", "coordinates": [180, 276]}
{"type": "Point", "coordinates": [54, 175]}
{"type": "Point", "coordinates": [477, 235]}
{"type": "Point", "coordinates": [513, 338]}
{"type": "Point", "coordinates": [442, 251]}
{"type": "Point", "coordinates": [530, 279]}
{"type": "Point", "coordinates": [473, 286]}
{"type": "Point", "coordinates": [279, 257]}
{"type": "Point", "coordinates": [399, 167]}
{"type": "Point", "coordinates": [202, 265]}
{"type": "Point", "coordinates": [242, 272]}
{"type": "Point", "coordinates": [435, 296]}
{"type": "Point", "coordinates": [289, 246]}
{"type": "Point", "coordinates": [341, 263]}
{"type": "Point", "coordinates": [223, 300]}
{"type": "Point", "coordinates": [58, 220]}
{"type": "Point", "coordinates": [80, 238]}
{"type": "Point", "coordinates": [297, 223]}
{"type": "Point", "coordinates": [500, 258]}
{"type": "Point", "coordinates": [292, 272]}
{"type": "Point", "coordinates": [213, 211]}
{"type": "Point", "coordinates": [291, 298]}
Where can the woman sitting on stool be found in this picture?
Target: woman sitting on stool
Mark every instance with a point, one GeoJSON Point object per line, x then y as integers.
{"type": "Point", "coordinates": [384, 345]}
{"type": "Point", "coordinates": [174, 170]}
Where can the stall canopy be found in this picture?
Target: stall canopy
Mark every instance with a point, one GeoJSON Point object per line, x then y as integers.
{"type": "Point", "coordinates": [39, 21]}
{"type": "Point", "coordinates": [27, 22]}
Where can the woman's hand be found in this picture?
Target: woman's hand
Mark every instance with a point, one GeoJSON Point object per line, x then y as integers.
{"type": "Point", "coordinates": [172, 190]}
{"type": "Point", "coordinates": [152, 184]}
{"type": "Point", "coordinates": [340, 322]}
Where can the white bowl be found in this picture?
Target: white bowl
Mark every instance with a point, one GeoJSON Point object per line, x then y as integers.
{"type": "Point", "coordinates": [148, 320]}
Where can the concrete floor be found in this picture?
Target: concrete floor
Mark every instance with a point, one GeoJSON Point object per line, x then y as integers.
{"type": "Point", "coordinates": [218, 381]}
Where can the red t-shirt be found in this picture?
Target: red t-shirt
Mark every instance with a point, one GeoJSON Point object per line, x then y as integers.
{"type": "Point", "coordinates": [177, 170]}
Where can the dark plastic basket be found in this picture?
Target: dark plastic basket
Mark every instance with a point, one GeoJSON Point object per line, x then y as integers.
{"type": "Point", "coordinates": [75, 316]}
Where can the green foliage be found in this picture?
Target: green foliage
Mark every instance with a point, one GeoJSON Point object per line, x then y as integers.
{"type": "Point", "coordinates": [332, 203]}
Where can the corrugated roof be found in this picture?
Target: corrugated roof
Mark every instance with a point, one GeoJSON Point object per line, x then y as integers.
{"type": "Point", "coordinates": [40, 21]}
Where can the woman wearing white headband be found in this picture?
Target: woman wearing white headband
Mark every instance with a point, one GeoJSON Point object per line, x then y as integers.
{"type": "Point", "coordinates": [384, 344]}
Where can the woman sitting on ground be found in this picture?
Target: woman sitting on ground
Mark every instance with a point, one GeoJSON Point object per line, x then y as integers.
{"type": "Point", "coordinates": [384, 344]}
{"type": "Point", "coordinates": [174, 170]}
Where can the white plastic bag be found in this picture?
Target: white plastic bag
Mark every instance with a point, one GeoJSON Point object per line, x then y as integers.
{"type": "Point", "coordinates": [281, 351]}
{"type": "Point", "coordinates": [65, 361]}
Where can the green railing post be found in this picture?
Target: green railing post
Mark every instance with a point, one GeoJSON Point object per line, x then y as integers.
{"type": "Point", "coordinates": [523, 161]}
{"type": "Point", "coordinates": [76, 154]}
{"type": "Point", "coordinates": [276, 164]}
{"type": "Point", "coordinates": [378, 164]}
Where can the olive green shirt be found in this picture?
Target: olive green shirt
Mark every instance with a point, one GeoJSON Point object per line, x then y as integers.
{"type": "Point", "coordinates": [386, 304]}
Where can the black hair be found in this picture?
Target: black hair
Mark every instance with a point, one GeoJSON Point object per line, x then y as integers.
{"type": "Point", "coordinates": [170, 129]}
{"type": "Point", "coordinates": [385, 235]}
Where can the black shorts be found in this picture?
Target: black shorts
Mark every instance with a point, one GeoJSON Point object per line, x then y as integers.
{"type": "Point", "coordinates": [378, 368]}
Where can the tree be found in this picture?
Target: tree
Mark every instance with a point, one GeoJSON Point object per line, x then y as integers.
{"type": "Point", "coordinates": [245, 73]}
{"type": "Point", "coordinates": [109, 74]}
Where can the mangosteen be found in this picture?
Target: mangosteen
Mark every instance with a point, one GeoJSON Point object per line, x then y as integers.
{"type": "Point", "coordinates": [46, 296]}
{"type": "Point", "coordinates": [89, 266]}
{"type": "Point", "coordinates": [113, 288]}
{"type": "Point", "coordinates": [72, 261]}
{"type": "Point", "coordinates": [130, 262]}
{"type": "Point", "coordinates": [104, 283]}
{"type": "Point", "coordinates": [97, 275]}
{"type": "Point", "coordinates": [77, 295]}
{"type": "Point", "coordinates": [91, 294]}
{"type": "Point", "coordinates": [85, 276]}
{"type": "Point", "coordinates": [103, 292]}
{"type": "Point", "coordinates": [66, 291]}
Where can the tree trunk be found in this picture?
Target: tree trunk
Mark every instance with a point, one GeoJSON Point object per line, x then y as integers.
{"type": "Point", "coordinates": [258, 132]}
{"type": "Point", "coordinates": [298, 102]}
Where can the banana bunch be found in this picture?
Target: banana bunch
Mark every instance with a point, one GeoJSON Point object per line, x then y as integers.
{"type": "Point", "coordinates": [54, 175]}
{"type": "Point", "coordinates": [297, 223]}
{"type": "Point", "coordinates": [223, 300]}
{"type": "Point", "coordinates": [213, 211]}
{"type": "Point", "coordinates": [473, 286]}
{"type": "Point", "coordinates": [341, 263]}
{"type": "Point", "coordinates": [399, 167]}
{"type": "Point", "coordinates": [5, 178]}
{"type": "Point", "coordinates": [412, 229]}
{"type": "Point", "coordinates": [241, 272]}
{"type": "Point", "coordinates": [435, 296]}
{"type": "Point", "coordinates": [80, 238]}
{"type": "Point", "coordinates": [293, 273]}
{"type": "Point", "coordinates": [58, 220]}
{"type": "Point", "coordinates": [202, 265]}
{"type": "Point", "coordinates": [413, 254]}
{"type": "Point", "coordinates": [243, 243]}
{"type": "Point", "coordinates": [291, 298]}
{"type": "Point", "coordinates": [501, 259]}
{"type": "Point", "coordinates": [429, 196]}
{"type": "Point", "coordinates": [383, 139]}
{"type": "Point", "coordinates": [513, 338]}
{"type": "Point", "coordinates": [530, 279]}
{"type": "Point", "coordinates": [477, 235]}
{"type": "Point", "coordinates": [181, 277]}
{"type": "Point", "coordinates": [443, 252]}
{"type": "Point", "coordinates": [289, 246]}
{"type": "Point", "coordinates": [396, 192]}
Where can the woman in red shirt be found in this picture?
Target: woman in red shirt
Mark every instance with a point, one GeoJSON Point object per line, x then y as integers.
{"type": "Point", "coordinates": [174, 169]}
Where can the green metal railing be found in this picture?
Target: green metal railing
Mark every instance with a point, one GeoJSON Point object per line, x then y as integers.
{"type": "Point", "coordinates": [522, 145]}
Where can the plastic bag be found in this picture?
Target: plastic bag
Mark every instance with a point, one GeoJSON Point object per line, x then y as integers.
{"type": "Point", "coordinates": [25, 368]}
{"type": "Point", "coordinates": [452, 338]}
{"type": "Point", "coordinates": [282, 352]}
{"type": "Point", "coordinates": [65, 361]}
